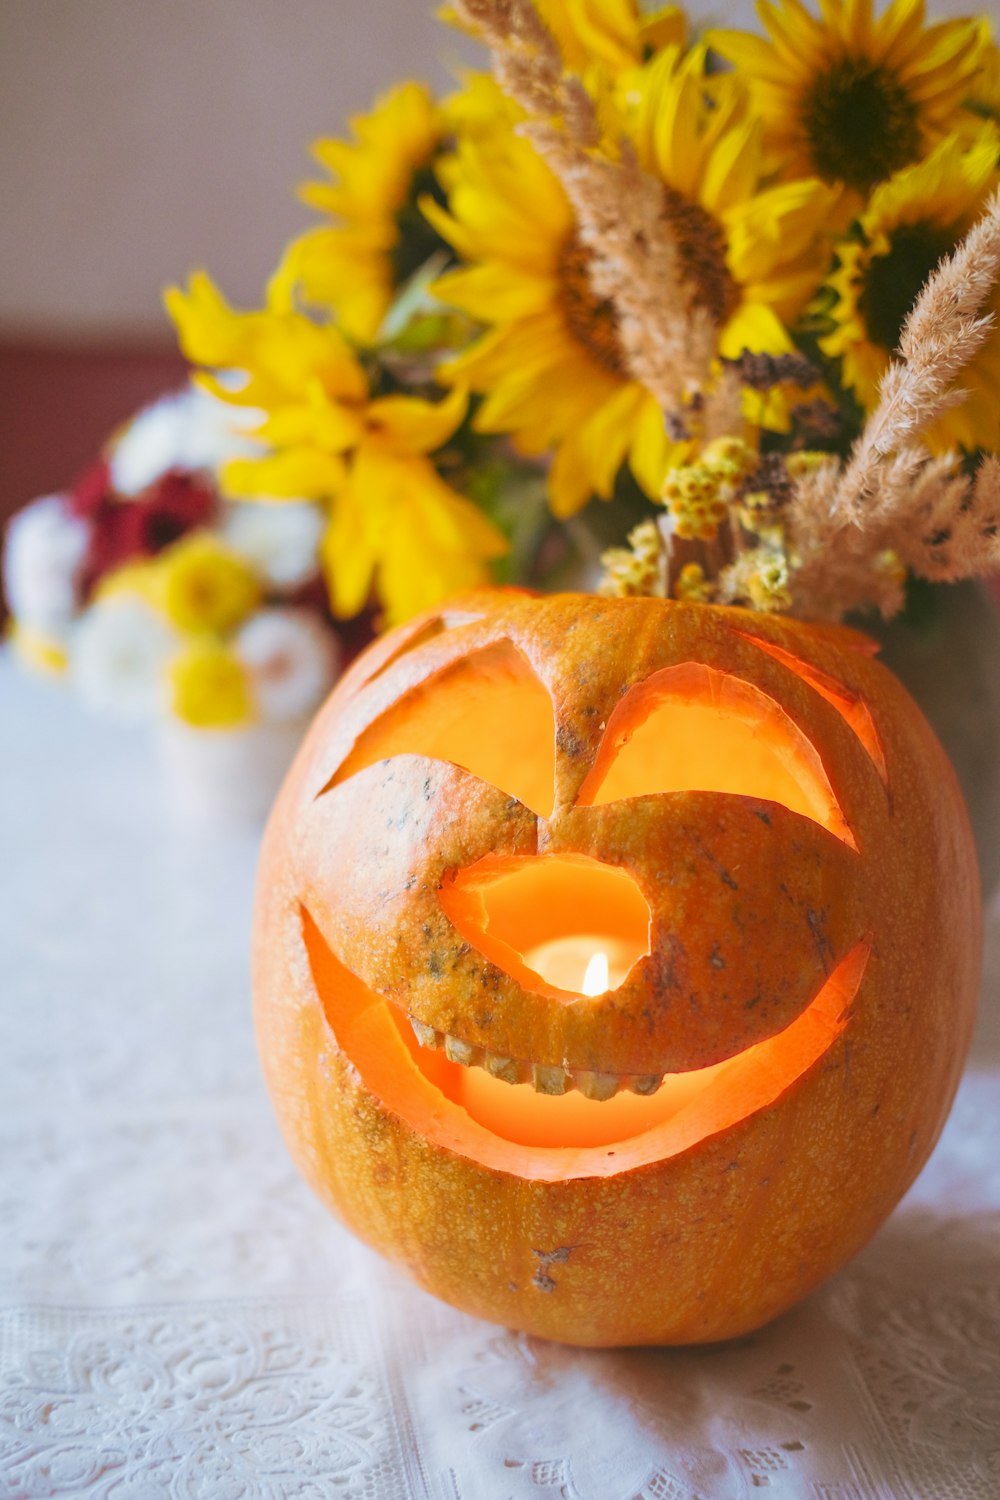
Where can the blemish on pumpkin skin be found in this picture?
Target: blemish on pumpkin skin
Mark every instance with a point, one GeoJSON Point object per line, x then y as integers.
{"type": "Point", "coordinates": [569, 743]}
{"type": "Point", "coordinates": [817, 924]}
{"type": "Point", "coordinates": [554, 1257]}
{"type": "Point", "coordinates": [669, 967]}
{"type": "Point", "coordinates": [715, 958]}
{"type": "Point", "coordinates": [716, 864]}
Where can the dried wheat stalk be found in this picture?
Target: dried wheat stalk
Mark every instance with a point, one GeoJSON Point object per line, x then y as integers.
{"type": "Point", "coordinates": [666, 341]}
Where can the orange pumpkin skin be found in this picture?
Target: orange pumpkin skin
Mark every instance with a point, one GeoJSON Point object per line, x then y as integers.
{"type": "Point", "coordinates": [678, 1234]}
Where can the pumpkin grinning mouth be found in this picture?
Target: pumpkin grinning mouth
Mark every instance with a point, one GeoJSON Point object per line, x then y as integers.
{"type": "Point", "coordinates": [433, 1088]}
{"type": "Point", "coordinates": [543, 1078]}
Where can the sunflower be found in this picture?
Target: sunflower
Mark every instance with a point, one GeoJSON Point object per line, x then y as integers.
{"type": "Point", "coordinates": [395, 527]}
{"type": "Point", "coordinates": [378, 238]}
{"type": "Point", "coordinates": [849, 98]}
{"type": "Point", "coordinates": [983, 99]}
{"type": "Point", "coordinates": [550, 365]}
{"type": "Point", "coordinates": [913, 220]}
{"type": "Point", "coordinates": [613, 34]}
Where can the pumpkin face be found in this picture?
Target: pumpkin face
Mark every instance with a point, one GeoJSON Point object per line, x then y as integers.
{"type": "Point", "coordinates": [615, 960]}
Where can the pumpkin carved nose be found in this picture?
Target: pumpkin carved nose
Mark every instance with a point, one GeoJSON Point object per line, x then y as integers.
{"type": "Point", "coordinates": [548, 920]}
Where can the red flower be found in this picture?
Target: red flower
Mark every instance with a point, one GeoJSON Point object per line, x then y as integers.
{"type": "Point", "coordinates": [124, 529]}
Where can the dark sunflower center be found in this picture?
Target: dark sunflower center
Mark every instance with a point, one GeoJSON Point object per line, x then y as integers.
{"type": "Point", "coordinates": [860, 122]}
{"type": "Point", "coordinates": [701, 246]}
{"type": "Point", "coordinates": [894, 280]}
{"type": "Point", "coordinates": [417, 239]}
{"type": "Point", "coordinates": [590, 319]}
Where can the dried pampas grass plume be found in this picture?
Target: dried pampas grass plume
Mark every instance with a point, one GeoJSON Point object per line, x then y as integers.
{"type": "Point", "coordinates": [855, 531]}
{"type": "Point", "coordinates": [943, 333]}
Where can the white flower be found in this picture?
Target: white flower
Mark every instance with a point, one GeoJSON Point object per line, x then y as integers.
{"type": "Point", "coordinates": [189, 430]}
{"type": "Point", "coordinates": [292, 659]}
{"type": "Point", "coordinates": [279, 537]}
{"type": "Point", "coordinates": [118, 657]}
{"type": "Point", "coordinates": [44, 550]}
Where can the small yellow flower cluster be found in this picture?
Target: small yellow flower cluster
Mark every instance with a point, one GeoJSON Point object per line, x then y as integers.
{"type": "Point", "coordinates": [205, 591]}
{"type": "Point", "coordinates": [637, 568]}
{"type": "Point", "coordinates": [693, 586]}
{"type": "Point", "coordinates": [698, 495]}
{"type": "Point", "coordinates": [760, 577]}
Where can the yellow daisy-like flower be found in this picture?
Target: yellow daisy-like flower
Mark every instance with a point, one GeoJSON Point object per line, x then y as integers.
{"type": "Point", "coordinates": [200, 585]}
{"type": "Point", "coordinates": [851, 98]}
{"type": "Point", "coordinates": [550, 365]}
{"type": "Point", "coordinates": [913, 220]}
{"type": "Point", "coordinates": [395, 526]}
{"type": "Point", "coordinates": [210, 687]}
{"type": "Point", "coordinates": [379, 237]}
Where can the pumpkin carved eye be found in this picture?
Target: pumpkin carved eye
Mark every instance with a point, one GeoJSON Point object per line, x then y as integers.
{"type": "Point", "coordinates": [693, 728]}
{"type": "Point", "coordinates": [487, 713]}
{"type": "Point", "coordinates": [851, 707]}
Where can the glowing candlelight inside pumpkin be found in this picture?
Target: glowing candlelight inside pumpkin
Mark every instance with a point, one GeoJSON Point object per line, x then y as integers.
{"type": "Point", "coordinates": [584, 964]}
{"type": "Point", "coordinates": [596, 976]}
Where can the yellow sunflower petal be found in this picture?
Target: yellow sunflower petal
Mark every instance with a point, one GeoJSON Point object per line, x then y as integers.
{"type": "Point", "coordinates": [410, 425]}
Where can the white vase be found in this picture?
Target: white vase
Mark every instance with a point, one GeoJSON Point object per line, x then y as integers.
{"type": "Point", "coordinates": [217, 778]}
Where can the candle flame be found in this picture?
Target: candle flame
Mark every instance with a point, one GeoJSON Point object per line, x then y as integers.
{"type": "Point", "coordinates": [595, 980]}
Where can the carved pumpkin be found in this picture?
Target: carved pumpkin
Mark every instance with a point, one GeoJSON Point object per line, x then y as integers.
{"type": "Point", "coordinates": [745, 819]}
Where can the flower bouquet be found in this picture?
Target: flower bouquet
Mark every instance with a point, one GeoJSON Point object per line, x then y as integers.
{"type": "Point", "coordinates": [162, 601]}
{"type": "Point", "coordinates": [737, 287]}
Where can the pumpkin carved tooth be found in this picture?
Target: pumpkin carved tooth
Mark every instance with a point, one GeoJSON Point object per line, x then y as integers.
{"type": "Point", "coordinates": [458, 1052]}
{"type": "Point", "coordinates": [549, 1080]}
{"type": "Point", "coordinates": [501, 1067]}
{"type": "Point", "coordinates": [425, 1035]}
{"type": "Point", "coordinates": [596, 1085]}
{"type": "Point", "coordinates": [645, 1085]}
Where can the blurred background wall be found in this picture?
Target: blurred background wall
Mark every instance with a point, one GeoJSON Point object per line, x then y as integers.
{"type": "Point", "coordinates": [141, 138]}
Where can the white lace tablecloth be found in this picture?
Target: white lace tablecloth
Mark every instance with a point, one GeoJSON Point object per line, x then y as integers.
{"type": "Point", "coordinates": [179, 1317]}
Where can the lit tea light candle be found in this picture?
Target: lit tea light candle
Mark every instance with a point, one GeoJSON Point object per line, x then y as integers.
{"type": "Point", "coordinates": [583, 964]}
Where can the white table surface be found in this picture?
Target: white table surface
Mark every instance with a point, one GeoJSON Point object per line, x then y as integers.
{"type": "Point", "coordinates": [179, 1317]}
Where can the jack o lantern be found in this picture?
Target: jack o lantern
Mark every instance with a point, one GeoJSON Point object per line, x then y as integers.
{"type": "Point", "coordinates": [615, 960]}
